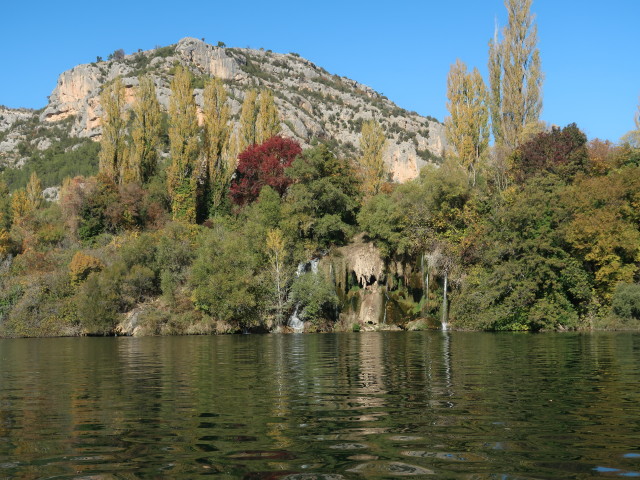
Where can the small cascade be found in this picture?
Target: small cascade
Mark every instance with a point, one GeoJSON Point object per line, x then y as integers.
{"type": "Point", "coordinates": [301, 268]}
{"type": "Point", "coordinates": [295, 323]}
{"type": "Point", "coordinates": [386, 302]}
{"type": "Point", "coordinates": [445, 306]}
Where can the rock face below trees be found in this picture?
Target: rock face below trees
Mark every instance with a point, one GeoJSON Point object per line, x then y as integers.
{"type": "Point", "coordinates": [314, 105]}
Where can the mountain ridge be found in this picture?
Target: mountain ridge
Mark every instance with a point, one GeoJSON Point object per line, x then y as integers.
{"type": "Point", "coordinates": [314, 105]}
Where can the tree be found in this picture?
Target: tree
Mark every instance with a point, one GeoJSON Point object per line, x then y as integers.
{"type": "Point", "coordinates": [225, 277]}
{"type": "Point", "coordinates": [603, 230]}
{"type": "Point", "coordinates": [262, 165]}
{"type": "Point", "coordinates": [467, 127]}
{"type": "Point", "coordinates": [113, 144]}
{"type": "Point", "coordinates": [20, 206]}
{"type": "Point", "coordinates": [116, 54]}
{"type": "Point", "coordinates": [562, 152]}
{"type": "Point", "coordinates": [145, 132]}
{"type": "Point", "coordinates": [183, 147]}
{"type": "Point", "coordinates": [276, 251]}
{"type": "Point", "coordinates": [216, 144]}
{"type": "Point", "coordinates": [515, 76]}
{"type": "Point", "coordinates": [5, 206]}
{"type": "Point", "coordinates": [268, 122]}
{"type": "Point", "coordinates": [371, 162]}
{"type": "Point", "coordinates": [322, 204]}
{"type": "Point", "coordinates": [248, 119]}
{"type": "Point", "coordinates": [633, 137]}
{"type": "Point", "coordinates": [525, 279]}
{"type": "Point", "coordinates": [34, 193]}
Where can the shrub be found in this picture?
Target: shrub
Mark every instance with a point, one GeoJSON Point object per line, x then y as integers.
{"type": "Point", "coordinates": [315, 296]}
{"type": "Point", "coordinates": [626, 301]}
{"type": "Point", "coordinates": [82, 265]}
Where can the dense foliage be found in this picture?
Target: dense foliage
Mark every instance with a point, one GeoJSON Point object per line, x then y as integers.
{"type": "Point", "coordinates": [201, 228]}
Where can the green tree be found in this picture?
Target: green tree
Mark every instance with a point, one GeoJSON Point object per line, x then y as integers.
{"type": "Point", "coordinates": [524, 277]}
{"type": "Point", "coordinates": [183, 148]}
{"type": "Point", "coordinates": [322, 204]}
{"type": "Point", "coordinates": [268, 122]}
{"type": "Point", "coordinates": [216, 144]}
{"type": "Point", "coordinates": [113, 144]}
{"type": "Point", "coordinates": [371, 162]}
{"type": "Point", "coordinates": [248, 120]}
{"type": "Point", "coordinates": [315, 297]}
{"type": "Point", "coordinates": [515, 77]}
{"type": "Point", "coordinates": [467, 127]}
{"type": "Point", "coordinates": [145, 132]}
{"type": "Point", "coordinates": [225, 279]}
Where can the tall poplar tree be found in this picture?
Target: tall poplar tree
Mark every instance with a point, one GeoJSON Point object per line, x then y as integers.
{"type": "Point", "coordinates": [467, 127]}
{"type": "Point", "coordinates": [145, 132]}
{"type": "Point", "coordinates": [113, 145]}
{"type": "Point", "coordinates": [183, 147]}
{"type": "Point", "coordinates": [5, 206]}
{"type": "Point", "coordinates": [633, 137]}
{"type": "Point", "coordinates": [216, 143]}
{"type": "Point", "coordinates": [248, 120]}
{"type": "Point", "coordinates": [34, 193]}
{"type": "Point", "coordinates": [515, 76]}
{"type": "Point", "coordinates": [371, 163]}
{"type": "Point", "coordinates": [268, 123]}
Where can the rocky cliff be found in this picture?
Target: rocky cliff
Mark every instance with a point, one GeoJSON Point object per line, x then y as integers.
{"type": "Point", "coordinates": [314, 104]}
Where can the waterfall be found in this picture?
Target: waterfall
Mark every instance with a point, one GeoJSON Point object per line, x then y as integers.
{"type": "Point", "coordinates": [311, 266]}
{"type": "Point", "coordinates": [295, 323]}
{"type": "Point", "coordinates": [445, 305]}
{"type": "Point", "coordinates": [386, 302]}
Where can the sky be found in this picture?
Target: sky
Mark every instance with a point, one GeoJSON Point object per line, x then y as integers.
{"type": "Point", "coordinates": [400, 48]}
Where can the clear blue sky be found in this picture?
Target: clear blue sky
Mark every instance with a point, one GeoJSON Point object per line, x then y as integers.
{"type": "Point", "coordinates": [401, 48]}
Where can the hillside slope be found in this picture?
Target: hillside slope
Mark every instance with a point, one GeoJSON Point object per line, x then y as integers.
{"type": "Point", "coordinates": [314, 104]}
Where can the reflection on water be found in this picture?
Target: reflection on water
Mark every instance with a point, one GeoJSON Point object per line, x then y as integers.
{"type": "Point", "coordinates": [340, 406]}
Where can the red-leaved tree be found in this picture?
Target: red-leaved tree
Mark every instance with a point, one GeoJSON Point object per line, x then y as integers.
{"type": "Point", "coordinates": [261, 165]}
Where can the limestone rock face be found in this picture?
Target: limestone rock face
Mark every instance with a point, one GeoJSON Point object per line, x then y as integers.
{"type": "Point", "coordinates": [13, 130]}
{"type": "Point", "coordinates": [358, 273]}
{"type": "Point", "coordinates": [72, 93]}
{"type": "Point", "coordinates": [209, 59]}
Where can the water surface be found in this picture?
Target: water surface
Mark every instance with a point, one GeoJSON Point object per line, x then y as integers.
{"type": "Point", "coordinates": [336, 406]}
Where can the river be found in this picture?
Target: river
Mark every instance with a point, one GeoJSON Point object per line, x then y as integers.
{"type": "Point", "coordinates": [327, 406]}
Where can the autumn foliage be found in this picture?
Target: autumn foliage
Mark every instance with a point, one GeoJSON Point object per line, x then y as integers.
{"type": "Point", "coordinates": [562, 152]}
{"type": "Point", "coordinates": [261, 165]}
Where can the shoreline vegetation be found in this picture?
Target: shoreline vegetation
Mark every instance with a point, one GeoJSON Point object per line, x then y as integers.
{"type": "Point", "coordinates": [184, 222]}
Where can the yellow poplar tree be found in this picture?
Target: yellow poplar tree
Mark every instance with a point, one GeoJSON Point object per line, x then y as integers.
{"type": "Point", "coordinates": [515, 77]}
{"type": "Point", "coordinates": [467, 127]}
{"type": "Point", "coordinates": [633, 137]}
{"type": "Point", "coordinates": [5, 207]}
{"type": "Point", "coordinates": [371, 163]}
{"type": "Point", "coordinates": [276, 250]}
{"type": "Point", "coordinates": [183, 147]}
{"type": "Point", "coordinates": [145, 132]}
{"type": "Point", "coordinates": [248, 120]}
{"type": "Point", "coordinates": [268, 117]}
{"type": "Point", "coordinates": [34, 193]}
{"type": "Point", "coordinates": [113, 144]}
{"type": "Point", "coordinates": [19, 205]}
{"type": "Point", "coordinates": [216, 142]}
